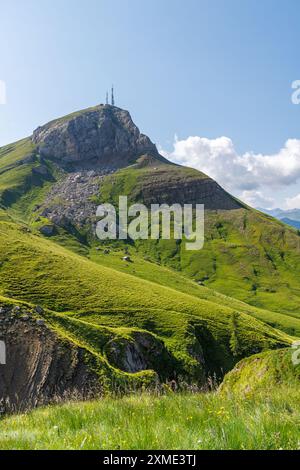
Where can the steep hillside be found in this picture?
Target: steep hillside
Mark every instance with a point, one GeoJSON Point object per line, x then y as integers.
{"type": "Point", "coordinates": [117, 316]}
{"type": "Point", "coordinates": [142, 267]}
{"type": "Point", "coordinates": [166, 313]}
{"type": "Point", "coordinates": [246, 255]}
{"type": "Point", "coordinates": [166, 184]}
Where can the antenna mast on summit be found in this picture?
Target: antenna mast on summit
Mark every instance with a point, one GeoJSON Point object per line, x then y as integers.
{"type": "Point", "coordinates": [107, 97]}
{"type": "Point", "coordinates": [112, 96]}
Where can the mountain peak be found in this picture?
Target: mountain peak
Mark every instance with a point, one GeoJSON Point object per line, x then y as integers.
{"type": "Point", "coordinates": [94, 138]}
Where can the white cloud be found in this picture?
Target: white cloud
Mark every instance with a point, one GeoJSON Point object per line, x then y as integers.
{"type": "Point", "coordinates": [257, 199]}
{"type": "Point", "coordinates": [250, 175]}
{"type": "Point", "coordinates": [293, 202]}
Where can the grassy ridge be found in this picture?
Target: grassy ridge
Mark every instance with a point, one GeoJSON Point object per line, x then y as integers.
{"type": "Point", "coordinates": [203, 421]}
{"type": "Point", "coordinates": [132, 181]}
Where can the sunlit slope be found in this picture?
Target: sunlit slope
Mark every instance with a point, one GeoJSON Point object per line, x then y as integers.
{"type": "Point", "coordinates": [168, 277]}
{"type": "Point", "coordinates": [38, 271]}
{"type": "Point", "coordinates": [25, 179]}
{"type": "Point", "coordinates": [15, 171]}
{"type": "Point", "coordinates": [12, 154]}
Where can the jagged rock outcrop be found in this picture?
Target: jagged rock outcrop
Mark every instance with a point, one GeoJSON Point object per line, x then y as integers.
{"type": "Point", "coordinates": [96, 138]}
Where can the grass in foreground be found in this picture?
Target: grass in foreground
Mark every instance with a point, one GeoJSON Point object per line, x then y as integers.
{"type": "Point", "coordinates": [183, 421]}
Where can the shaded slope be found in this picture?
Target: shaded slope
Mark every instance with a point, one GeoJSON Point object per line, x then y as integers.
{"type": "Point", "coordinates": [50, 357]}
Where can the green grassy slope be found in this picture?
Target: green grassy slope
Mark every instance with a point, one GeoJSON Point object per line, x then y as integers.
{"type": "Point", "coordinates": [31, 266]}
{"type": "Point", "coordinates": [14, 175]}
{"type": "Point", "coordinates": [247, 255]}
{"type": "Point", "coordinates": [203, 421]}
{"type": "Point", "coordinates": [265, 371]}
{"type": "Point", "coordinates": [13, 153]}
{"type": "Point", "coordinates": [168, 277]}
{"type": "Point", "coordinates": [205, 312]}
{"type": "Point", "coordinates": [103, 297]}
{"type": "Point", "coordinates": [21, 186]}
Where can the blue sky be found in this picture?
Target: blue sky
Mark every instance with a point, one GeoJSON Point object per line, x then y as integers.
{"type": "Point", "coordinates": [194, 68]}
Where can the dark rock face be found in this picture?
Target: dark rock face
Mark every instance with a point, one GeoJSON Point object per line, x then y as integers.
{"type": "Point", "coordinates": [48, 230]}
{"type": "Point", "coordinates": [143, 351]}
{"type": "Point", "coordinates": [40, 367]}
{"type": "Point", "coordinates": [164, 187]}
{"type": "Point", "coordinates": [103, 137]}
{"type": "Point", "coordinates": [206, 192]}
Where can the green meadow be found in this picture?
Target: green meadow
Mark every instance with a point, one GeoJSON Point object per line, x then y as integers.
{"type": "Point", "coordinates": [268, 421]}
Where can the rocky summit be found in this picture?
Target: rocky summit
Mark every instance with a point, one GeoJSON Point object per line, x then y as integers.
{"type": "Point", "coordinates": [92, 144]}
{"type": "Point", "coordinates": [103, 137]}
